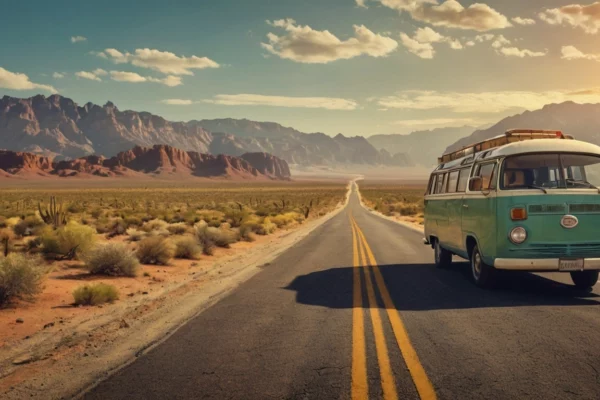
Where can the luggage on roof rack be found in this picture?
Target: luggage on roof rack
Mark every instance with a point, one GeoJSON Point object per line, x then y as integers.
{"type": "Point", "coordinates": [511, 136]}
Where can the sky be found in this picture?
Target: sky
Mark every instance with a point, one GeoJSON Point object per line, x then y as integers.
{"type": "Point", "coordinates": [357, 67]}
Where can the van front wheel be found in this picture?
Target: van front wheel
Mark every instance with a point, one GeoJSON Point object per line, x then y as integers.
{"type": "Point", "coordinates": [584, 279]}
{"type": "Point", "coordinates": [483, 274]}
{"type": "Point", "coordinates": [443, 258]}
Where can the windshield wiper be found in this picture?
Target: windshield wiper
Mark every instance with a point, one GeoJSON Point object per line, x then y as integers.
{"type": "Point", "coordinates": [537, 187]}
{"type": "Point", "coordinates": [590, 186]}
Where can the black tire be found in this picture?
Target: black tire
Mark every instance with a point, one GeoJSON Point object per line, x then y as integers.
{"type": "Point", "coordinates": [443, 258]}
{"type": "Point", "coordinates": [483, 275]}
{"type": "Point", "coordinates": [584, 279]}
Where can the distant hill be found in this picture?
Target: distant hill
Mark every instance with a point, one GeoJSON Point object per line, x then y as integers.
{"type": "Point", "coordinates": [157, 161]}
{"type": "Point", "coordinates": [579, 120]}
{"type": "Point", "coordinates": [58, 127]}
{"type": "Point", "coordinates": [422, 147]}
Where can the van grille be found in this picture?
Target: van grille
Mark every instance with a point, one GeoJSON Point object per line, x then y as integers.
{"type": "Point", "coordinates": [547, 209]}
{"type": "Point", "coordinates": [552, 250]}
{"type": "Point", "coordinates": [587, 208]}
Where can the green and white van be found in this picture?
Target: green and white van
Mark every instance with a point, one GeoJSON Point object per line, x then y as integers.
{"type": "Point", "coordinates": [527, 200]}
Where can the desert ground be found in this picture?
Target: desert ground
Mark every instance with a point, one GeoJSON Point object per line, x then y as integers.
{"type": "Point", "coordinates": [92, 266]}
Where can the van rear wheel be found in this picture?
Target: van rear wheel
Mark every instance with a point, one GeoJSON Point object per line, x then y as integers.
{"type": "Point", "coordinates": [584, 279]}
{"type": "Point", "coordinates": [443, 258]}
{"type": "Point", "coordinates": [483, 275]}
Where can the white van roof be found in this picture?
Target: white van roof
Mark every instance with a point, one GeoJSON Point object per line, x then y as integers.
{"type": "Point", "coordinates": [543, 146]}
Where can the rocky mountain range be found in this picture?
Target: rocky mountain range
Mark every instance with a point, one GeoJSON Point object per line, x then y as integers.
{"type": "Point", "coordinates": [157, 161]}
{"type": "Point", "coordinates": [56, 126]}
{"type": "Point", "coordinates": [423, 146]}
{"type": "Point", "coordinates": [580, 120]}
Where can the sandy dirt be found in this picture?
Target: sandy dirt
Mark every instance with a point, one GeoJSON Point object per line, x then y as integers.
{"type": "Point", "coordinates": [39, 355]}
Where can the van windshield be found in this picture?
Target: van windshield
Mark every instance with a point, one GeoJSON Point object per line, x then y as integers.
{"type": "Point", "coordinates": [551, 171]}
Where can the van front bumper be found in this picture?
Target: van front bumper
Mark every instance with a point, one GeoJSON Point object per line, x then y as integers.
{"type": "Point", "coordinates": [540, 264]}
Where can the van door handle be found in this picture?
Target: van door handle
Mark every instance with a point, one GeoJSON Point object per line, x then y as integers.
{"type": "Point", "coordinates": [465, 206]}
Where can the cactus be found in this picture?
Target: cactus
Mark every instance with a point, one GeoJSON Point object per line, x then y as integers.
{"type": "Point", "coordinates": [54, 214]}
{"type": "Point", "coordinates": [307, 209]}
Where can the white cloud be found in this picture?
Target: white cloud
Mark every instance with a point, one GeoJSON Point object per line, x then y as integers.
{"type": "Point", "coordinates": [58, 75]}
{"type": "Point", "coordinates": [421, 43]}
{"type": "Point", "coordinates": [428, 35]}
{"type": "Point", "coordinates": [521, 53]}
{"type": "Point", "coordinates": [437, 122]}
{"type": "Point", "coordinates": [99, 72]}
{"type": "Point", "coordinates": [361, 3]}
{"type": "Point", "coordinates": [177, 102]}
{"type": "Point", "coordinates": [500, 41]}
{"type": "Point", "coordinates": [88, 75]}
{"type": "Point", "coordinates": [451, 14]}
{"type": "Point", "coordinates": [573, 53]}
{"type": "Point", "coordinates": [19, 81]}
{"type": "Point", "coordinates": [162, 61]}
{"type": "Point", "coordinates": [586, 17]}
{"type": "Point", "coordinates": [523, 21]}
{"type": "Point", "coordinates": [306, 45]}
{"type": "Point", "coordinates": [76, 39]}
{"type": "Point", "coordinates": [423, 50]}
{"type": "Point", "coordinates": [133, 77]}
{"type": "Point", "coordinates": [482, 102]}
{"type": "Point", "coordinates": [484, 38]}
{"type": "Point", "coordinates": [283, 101]}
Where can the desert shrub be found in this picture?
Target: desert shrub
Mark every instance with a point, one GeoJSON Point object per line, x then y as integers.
{"type": "Point", "coordinates": [113, 259]}
{"type": "Point", "coordinates": [6, 238]}
{"type": "Point", "coordinates": [97, 213]}
{"type": "Point", "coordinates": [135, 235]}
{"type": "Point", "coordinates": [155, 250]}
{"type": "Point", "coordinates": [235, 216]}
{"type": "Point", "coordinates": [28, 226]}
{"type": "Point", "coordinates": [221, 237]}
{"type": "Point", "coordinates": [208, 245]}
{"type": "Point", "coordinates": [3, 223]}
{"type": "Point", "coordinates": [188, 248]}
{"type": "Point", "coordinates": [154, 225]}
{"type": "Point", "coordinates": [21, 277]}
{"type": "Point", "coordinates": [71, 237]}
{"type": "Point", "coordinates": [11, 222]}
{"type": "Point", "coordinates": [160, 232]}
{"type": "Point", "coordinates": [288, 218]}
{"type": "Point", "coordinates": [267, 227]}
{"type": "Point", "coordinates": [91, 295]}
{"type": "Point", "coordinates": [178, 228]}
{"type": "Point", "coordinates": [34, 244]}
{"type": "Point", "coordinates": [132, 221]}
{"type": "Point", "coordinates": [75, 208]}
{"type": "Point", "coordinates": [117, 228]}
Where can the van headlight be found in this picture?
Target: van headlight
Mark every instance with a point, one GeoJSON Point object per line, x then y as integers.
{"type": "Point", "coordinates": [518, 235]}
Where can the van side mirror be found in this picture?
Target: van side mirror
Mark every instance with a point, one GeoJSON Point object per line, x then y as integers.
{"type": "Point", "coordinates": [476, 184]}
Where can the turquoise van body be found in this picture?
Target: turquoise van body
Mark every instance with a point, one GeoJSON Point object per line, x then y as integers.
{"type": "Point", "coordinates": [549, 223]}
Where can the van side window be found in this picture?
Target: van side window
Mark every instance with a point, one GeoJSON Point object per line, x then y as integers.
{"type": "Point", "coordinates": [452, 182]}
{"type": "Point", "coordinates": [432, 182]}
{"type": "Point", "coordinates": [463, 180]}
{"type": "Point", "coordinates": [488, 175]}
{"type": "Point", "coordinates": [440, 183]}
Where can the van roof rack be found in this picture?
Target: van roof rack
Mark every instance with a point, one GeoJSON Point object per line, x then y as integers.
{"type": "Point", "coordinates": [510, 136]}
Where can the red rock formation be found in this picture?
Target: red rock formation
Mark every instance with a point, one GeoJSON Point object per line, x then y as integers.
{"type": "Point", "coordinates": [268, 164]}
{"type": "Point", "coordinates": [159, 160]}
{"type": "Point", "coordinates": [24, 163]}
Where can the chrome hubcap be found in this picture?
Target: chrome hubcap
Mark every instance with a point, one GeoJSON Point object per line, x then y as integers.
{"type": "Point", "coordinates": [476, 264]}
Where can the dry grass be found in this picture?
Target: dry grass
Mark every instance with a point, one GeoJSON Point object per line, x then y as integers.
{"type": "Point", "coordinates": [394, 200]}
{"type": "Point", "coordinates": [91, 295]}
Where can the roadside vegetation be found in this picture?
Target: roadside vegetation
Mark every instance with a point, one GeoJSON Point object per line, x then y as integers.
{"type": "Point", "coordinates": [405, 202]}
{"type": "Point", "coordinates": [113, 232]}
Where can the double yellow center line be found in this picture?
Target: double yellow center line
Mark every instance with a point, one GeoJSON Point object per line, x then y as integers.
{"type": "Point", "coordinates": [363, 256]}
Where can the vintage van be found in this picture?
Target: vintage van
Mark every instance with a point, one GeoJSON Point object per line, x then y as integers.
{"type": "Point", "coordinates": [528, 200]}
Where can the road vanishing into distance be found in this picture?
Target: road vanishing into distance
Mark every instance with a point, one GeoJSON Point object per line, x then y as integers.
{"type": "Point", "coordinates": [356, 310]}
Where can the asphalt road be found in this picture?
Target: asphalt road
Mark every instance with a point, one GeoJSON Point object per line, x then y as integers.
{"type": "Point", "coordinates": [317, 324]}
